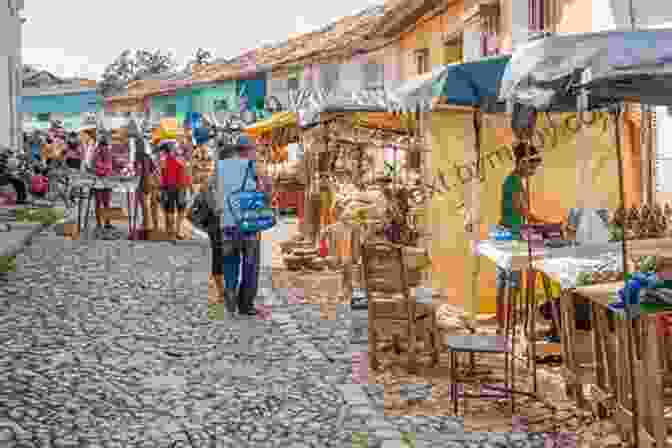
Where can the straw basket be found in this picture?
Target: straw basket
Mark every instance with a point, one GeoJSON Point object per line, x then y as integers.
{"type": "Point", "coordinates": [294, 262]}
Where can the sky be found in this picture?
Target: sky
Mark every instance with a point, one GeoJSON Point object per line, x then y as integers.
{"type": "Point", "coordinates": [80, 37]}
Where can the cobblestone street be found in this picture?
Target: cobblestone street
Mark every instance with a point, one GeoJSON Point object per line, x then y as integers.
{"type": "Point", "coordinates": [108, 344]}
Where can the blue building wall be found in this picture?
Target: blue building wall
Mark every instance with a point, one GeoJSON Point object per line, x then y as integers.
{"type": "Point", "coordinates": [253, 89]}
{"type": "Point", "coordinates": [181, 100]}
{"type": "Point", "coordinates": [76, 103]}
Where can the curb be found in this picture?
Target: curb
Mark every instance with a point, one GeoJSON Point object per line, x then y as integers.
{"type": "Point", "coordinates": [28, 237]}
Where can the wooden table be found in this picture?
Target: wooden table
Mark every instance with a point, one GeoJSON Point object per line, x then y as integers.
{"type": "Point", "coordinates": [651, 363]}
{"type": "Point", "coordinates": [515, 255]}
{"type": "Point", "coordinates": [578, 367]}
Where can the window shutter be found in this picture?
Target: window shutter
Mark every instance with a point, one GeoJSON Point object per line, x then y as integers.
{"type": "Point", "coordinates": [415, 160]}
{"type": "Point", "coordinates": [536, 13]}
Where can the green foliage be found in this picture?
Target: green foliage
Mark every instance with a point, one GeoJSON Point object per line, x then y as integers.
{"type": "Point", "coordinates": [216, 311]}
{"type": "Point", "coordinates": [7, 264]}
{"type": "Point", "coordinates": [408, 440]}
{"type": "Point", "coordinates": [46, 216]}
{"type": "Point", "coordinates": [584, 279]}
{"type": "Point", "coordinates": [360, 440]}
{"type": "Point", "coordinates": [392, 169]}
{"type": "Point", "coordinates": [615, 232]}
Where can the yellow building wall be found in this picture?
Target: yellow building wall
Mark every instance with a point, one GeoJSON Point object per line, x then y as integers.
{"type": "Point", "coordinates": [427, 34]}
{"type": "Point", "coordinates": [554, 190]}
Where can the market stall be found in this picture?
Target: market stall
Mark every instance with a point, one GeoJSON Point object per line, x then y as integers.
{"type": "Point", "coordinates": [123, 178]}
{"type": "Point", "coordinates": [279, 149]}
{"type": "Point", "coordinates": [592, 71]}
{"type": "Point", "coordinates": [362, 186]}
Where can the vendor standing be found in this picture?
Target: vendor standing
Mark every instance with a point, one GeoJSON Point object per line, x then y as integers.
{"type": "Point", "coordinates": [515, 212]}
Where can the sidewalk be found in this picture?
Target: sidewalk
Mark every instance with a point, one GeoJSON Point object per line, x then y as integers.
{"type": "Point", "coordinates": [20, 233]}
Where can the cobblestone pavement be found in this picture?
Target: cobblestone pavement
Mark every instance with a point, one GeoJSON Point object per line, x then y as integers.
{"type": "Point", "coordinates": [108, 344]}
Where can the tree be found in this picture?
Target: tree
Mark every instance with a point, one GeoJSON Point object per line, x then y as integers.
{"type": "Point", "coordinates": [129, 66]}
{"type": "Point", "coordinates": [202, 57]}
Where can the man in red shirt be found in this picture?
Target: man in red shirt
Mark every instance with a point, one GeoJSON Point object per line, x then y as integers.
{"type": "Point", "coordinates": [172, 183]}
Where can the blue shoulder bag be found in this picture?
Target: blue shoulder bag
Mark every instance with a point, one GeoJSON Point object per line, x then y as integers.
{"type": "Point", "coordinates": [250, 207]}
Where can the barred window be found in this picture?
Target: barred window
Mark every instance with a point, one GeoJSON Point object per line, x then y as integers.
{"type": "Point", "coordinates": [329, 76]}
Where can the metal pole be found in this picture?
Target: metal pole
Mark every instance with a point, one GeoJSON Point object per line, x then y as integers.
{"type": "Point", "coordinates": [624, 254]}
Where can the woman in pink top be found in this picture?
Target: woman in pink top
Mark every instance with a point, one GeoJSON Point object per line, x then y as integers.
{"type": "Point", "coordinates": [73, 152]}
{"type": "Point", "coordinates": [104, 167]}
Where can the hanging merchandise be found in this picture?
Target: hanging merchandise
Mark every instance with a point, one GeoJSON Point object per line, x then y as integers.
{"type": "Point", "coordinates": [201, 135]}
{"type": "Point", "coordinates": [169, 129]}
{"type": "Point", "coordinates": [293, 152]}
{"type": "Point", "coordinates": [194, 120]}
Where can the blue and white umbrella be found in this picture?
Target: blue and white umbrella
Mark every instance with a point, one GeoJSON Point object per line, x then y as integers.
{"type": "Point", "coordinates": [611, 66]}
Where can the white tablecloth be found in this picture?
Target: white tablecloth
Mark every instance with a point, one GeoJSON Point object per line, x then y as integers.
{"type": "Point", "coordinates": [507, 254]}
{"type": "Point", "coordinates": [115, 183]}
{"type": "Point", "coordinates": [564, 264]}
{"type": "Point", "coordinates": [567, 270]}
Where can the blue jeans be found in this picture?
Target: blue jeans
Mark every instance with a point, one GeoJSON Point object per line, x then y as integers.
{"type": "Point", "coordinates": [239, 261]}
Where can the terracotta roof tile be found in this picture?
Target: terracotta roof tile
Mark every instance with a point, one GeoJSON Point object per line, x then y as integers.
{"type": "Point", "coordinates": [337, 38]}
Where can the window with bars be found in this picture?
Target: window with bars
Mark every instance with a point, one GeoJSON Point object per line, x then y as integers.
{"type": "Point", "coordinates": [329, 76]}
{"type": "Point", "coordinates": [415, 160]}
{"type": "Point", "coordinates": [489, 44]}
{"type": "Point", "coordinates": [293, 84]}
{"type": "Point", "coordinates": [280, 90]}
{"type": "Point", "coordinates": [422, 61]}
{"type": "Point", "coordinates": [537, 10]}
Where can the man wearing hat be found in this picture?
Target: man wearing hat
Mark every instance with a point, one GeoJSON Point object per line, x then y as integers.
{"type": "Point", "coordinates": [234, 255]}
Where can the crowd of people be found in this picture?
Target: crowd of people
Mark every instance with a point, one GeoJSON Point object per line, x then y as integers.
{"type": "Point", "coordinates": [164, 170]}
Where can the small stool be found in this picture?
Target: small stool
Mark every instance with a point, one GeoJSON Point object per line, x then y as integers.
{"type": "Point", "coordinates": [474, 343]}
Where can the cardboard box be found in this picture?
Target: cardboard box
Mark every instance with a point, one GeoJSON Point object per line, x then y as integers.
{"type": "Point", "coordinates": [157, 235]}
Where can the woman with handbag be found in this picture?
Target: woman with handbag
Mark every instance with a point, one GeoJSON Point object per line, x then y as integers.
{"type": "Point", "coordinates": [235, 244]}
